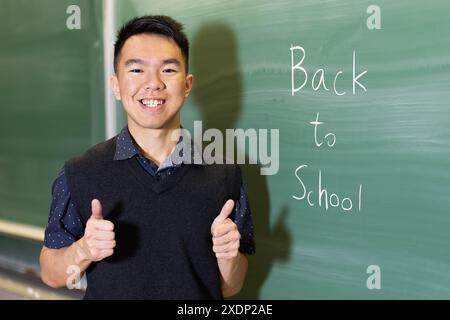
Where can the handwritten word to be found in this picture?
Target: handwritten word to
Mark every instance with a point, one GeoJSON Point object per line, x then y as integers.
{"type": "Point", "coordinates": [322, 196]}
{"type": "Point", "coordinates": [329, 137]}
{"type": "Point", "coordinates": [318, 78]}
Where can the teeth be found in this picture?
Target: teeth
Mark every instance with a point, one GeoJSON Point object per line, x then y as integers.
{"type": "Point", "coordinates": [152, 102]}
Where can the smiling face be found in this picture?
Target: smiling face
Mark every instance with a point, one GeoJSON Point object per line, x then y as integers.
{"type": "Point", "coordinates": [151, 81]}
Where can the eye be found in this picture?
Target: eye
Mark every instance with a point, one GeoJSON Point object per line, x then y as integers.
{"type": "Point", "coordinates": [136, 71]}
{"type": "Point", "coordinates": [168, 70]}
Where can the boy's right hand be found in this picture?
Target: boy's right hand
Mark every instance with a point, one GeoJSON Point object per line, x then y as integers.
{"type": "Point", "coordinates": [98, 241]}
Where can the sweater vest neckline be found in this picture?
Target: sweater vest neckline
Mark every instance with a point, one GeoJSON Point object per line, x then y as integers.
{"type": "Point", "coordinates": [157, 184]}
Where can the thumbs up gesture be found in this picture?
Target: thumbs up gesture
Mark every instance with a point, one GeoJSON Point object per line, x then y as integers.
{"type": "Point", "coordinates": [98, 240]}
{"type": "Point", "coordinates": [225, 234]}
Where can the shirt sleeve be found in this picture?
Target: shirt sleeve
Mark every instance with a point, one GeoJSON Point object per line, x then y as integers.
{"type": "Point", "coordinates": [243, 220]}
{"type": "Point", "coordinates": [64, 224]}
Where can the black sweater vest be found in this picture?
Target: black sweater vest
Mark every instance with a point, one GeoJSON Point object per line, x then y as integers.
{"type": "Point", "coordinates": [162, 226]}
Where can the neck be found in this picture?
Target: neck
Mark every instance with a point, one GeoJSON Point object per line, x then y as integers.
{"type": "Point", "coordinates": [156, 144]}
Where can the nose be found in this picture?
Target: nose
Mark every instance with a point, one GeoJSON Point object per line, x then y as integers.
{"type": "Point", "coordinates": [154, 82]}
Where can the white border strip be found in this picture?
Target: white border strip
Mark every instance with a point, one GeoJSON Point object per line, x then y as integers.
{"type": "Point", "coordinates": [108, 58]}
{"type": "Point", "coordinates": [22, 230]}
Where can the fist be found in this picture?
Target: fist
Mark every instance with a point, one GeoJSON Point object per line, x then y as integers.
{"type": "Point", "coordinates": [225, 234]}
{"type": "Point", "coordinates": [98, 241]}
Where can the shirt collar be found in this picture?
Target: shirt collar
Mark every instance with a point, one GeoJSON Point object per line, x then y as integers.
{"type": "Point", "coordinates": [125, 149]}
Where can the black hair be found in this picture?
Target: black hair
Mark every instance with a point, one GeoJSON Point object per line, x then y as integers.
{"type": "Point", "coordinates": [152, 24]}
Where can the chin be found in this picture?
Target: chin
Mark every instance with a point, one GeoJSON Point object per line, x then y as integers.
{"type": "Point", "coordinates": [155, 123]}
{"type": "Point", "coordinates": [152, 126]}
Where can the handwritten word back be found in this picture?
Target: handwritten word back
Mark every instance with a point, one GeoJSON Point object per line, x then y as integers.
{"type": "Point", "coordinates": [318, 78]}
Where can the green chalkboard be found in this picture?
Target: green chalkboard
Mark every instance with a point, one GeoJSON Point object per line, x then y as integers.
{"type": "Point", "coordinates": [51, 98]}
{"type": "Point", "coordinates": [384, 162]}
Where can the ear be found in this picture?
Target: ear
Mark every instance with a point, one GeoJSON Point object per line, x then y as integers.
{"type": "Point", "coordinates": [188, 84]}
{"type": "Point", "coordinates": [115, 86]}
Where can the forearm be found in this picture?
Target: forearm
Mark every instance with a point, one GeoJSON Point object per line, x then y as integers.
{"type": "Point", "coordinates": [232, 272]}
{"type": "Point", "coordinates": [55, 264]}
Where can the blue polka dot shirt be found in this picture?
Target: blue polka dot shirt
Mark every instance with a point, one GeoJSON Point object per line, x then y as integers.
{"type": "Point", "coordinates": [64, 223]}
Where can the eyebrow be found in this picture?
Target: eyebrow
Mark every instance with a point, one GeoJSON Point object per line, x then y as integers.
{"type": "Point", "coordinates": [130, 62]}
{"type": "Point", "coordinates": [172, 61]}
{"type": "Point", "coordinates": [134, 61]}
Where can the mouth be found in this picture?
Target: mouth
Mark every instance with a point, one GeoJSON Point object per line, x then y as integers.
{"type": "Point", "coordinates": [152, 104]}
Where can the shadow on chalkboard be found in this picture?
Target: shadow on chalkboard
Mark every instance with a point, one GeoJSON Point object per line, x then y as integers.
{"type": "Point", "coordinates": [218, 94]}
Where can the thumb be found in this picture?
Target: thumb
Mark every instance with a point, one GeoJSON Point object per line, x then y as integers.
{"type": "Point", "coordinates": [225, 212]}
{"type": "Point", "coordinates": [96, 209]}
